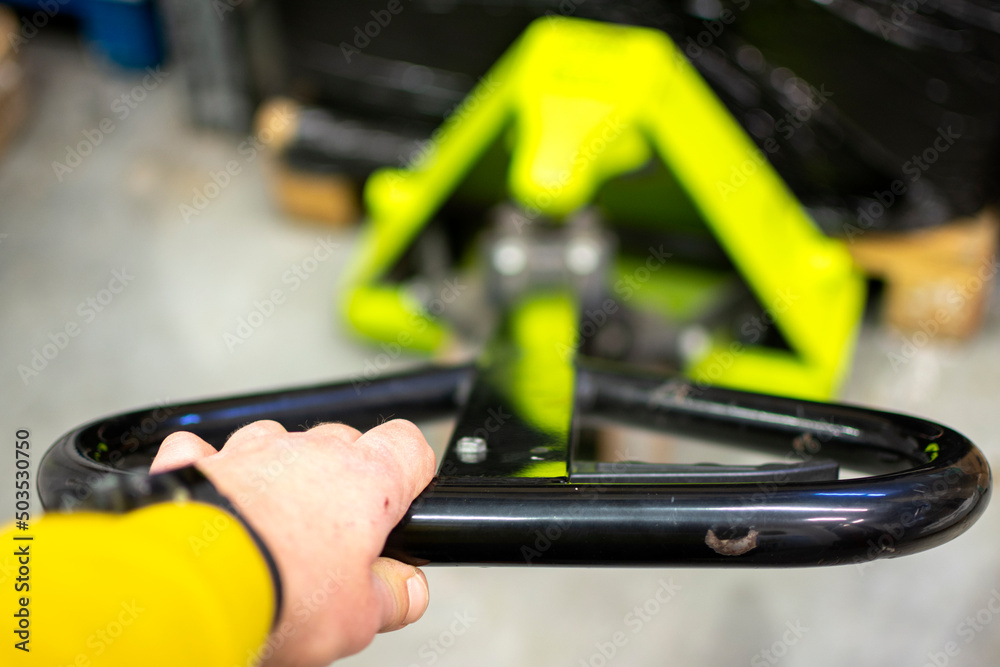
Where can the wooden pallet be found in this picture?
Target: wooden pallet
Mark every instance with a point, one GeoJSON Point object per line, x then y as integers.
{"type": "Point", "coordinates": [329, 198]}
{"type": "Point", "coordinates": [13, 105]}
{"type": "Point", "coordinates": [326, 198]}
{"type": "Point", "coordinates": [937, 280]}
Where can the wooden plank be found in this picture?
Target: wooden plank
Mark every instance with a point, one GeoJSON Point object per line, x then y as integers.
{"type": "Point", "coordinates": [13, 103]}
{"type": "Point", "coordinates": [937, 280]}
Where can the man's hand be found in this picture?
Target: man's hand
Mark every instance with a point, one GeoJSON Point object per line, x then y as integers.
{"type": "Point", "coordinates": [323, 501]}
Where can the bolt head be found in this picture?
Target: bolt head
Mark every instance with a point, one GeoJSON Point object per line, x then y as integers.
{"type": "Point", "coordinates": [471, 450]}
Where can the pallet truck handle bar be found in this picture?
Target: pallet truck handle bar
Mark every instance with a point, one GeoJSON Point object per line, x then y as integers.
{"type": "Point", "coordinates": [928, 482]}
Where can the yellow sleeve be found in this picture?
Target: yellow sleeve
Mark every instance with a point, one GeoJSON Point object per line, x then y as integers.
{"type": "Point", "coordinates": [172, 584]}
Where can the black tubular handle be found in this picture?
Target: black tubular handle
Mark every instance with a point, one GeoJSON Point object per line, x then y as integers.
{"type": "Point", "coordinates": [942, 490]}
{"type": "Point", "coordinates": [125, 444]}
{"type": "Point", "coordinates": [929, 483]}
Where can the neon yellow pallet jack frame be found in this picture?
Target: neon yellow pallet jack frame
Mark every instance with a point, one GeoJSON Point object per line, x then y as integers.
{"type": "Point", "coordinates": [586, 102]}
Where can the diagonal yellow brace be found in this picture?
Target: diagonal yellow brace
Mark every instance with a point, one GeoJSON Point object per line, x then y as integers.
{"type": "Point", "coordinates": [587, 102]}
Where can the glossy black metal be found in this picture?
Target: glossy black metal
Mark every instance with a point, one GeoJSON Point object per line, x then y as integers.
{"type": "Point", "coordinates": [932, 483]}
{"type": "Point", "coordinates": [629, 472]}
{"type": "Point", "coordinates": [940, 485]}
{"type": "Point", "coordinates": [859, 438]}
{"type": "Point", "coordinates": [127, 442]}
{"type": "Point", "coordinates": [512, 441]}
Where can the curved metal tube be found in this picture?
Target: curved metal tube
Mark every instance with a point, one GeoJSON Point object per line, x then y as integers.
{"type": "Point", "coordinates": [931, 483]}
{"type": "Point", "coordinates": [126, 443]}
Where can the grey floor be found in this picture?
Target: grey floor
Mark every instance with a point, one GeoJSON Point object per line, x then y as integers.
{"type": "Point", "coordinates": [162, 339]}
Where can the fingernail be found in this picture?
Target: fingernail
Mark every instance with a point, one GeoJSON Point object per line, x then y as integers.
{"type": "Point", "coordinates": [416, 587]}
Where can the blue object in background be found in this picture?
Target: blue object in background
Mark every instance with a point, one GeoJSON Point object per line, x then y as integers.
{"type": "Point", "coordinates": [127, 32]}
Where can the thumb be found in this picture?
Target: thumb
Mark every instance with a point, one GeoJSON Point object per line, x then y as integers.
{"type": "Point", "coordinates": [402, 592]}
{"type": "Point", "coordinates": [178, 450]}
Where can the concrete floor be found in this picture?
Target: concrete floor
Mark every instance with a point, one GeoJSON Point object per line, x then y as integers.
{"type": "Point", "coordinates": [162, 339]}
